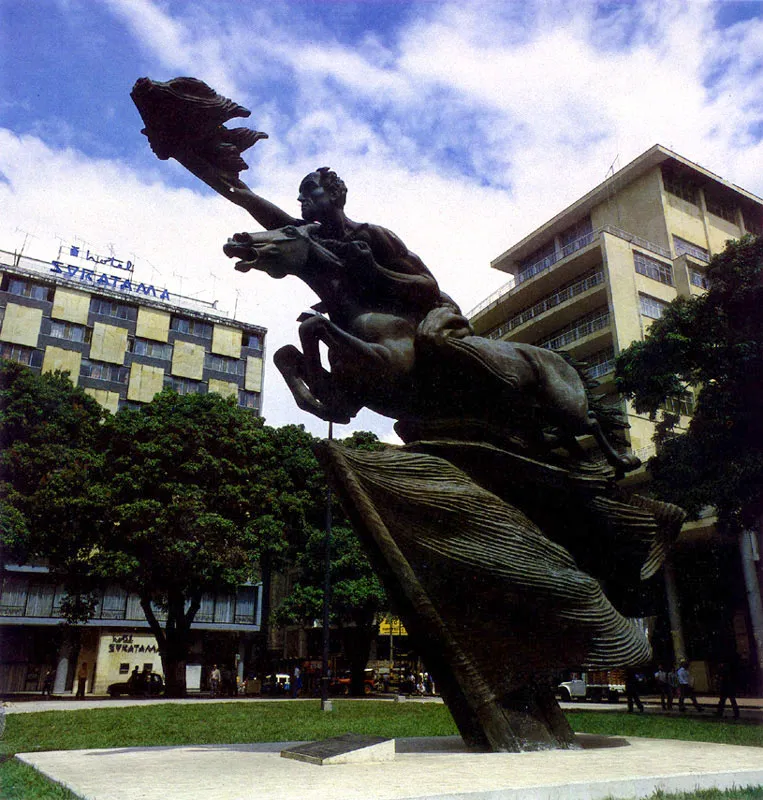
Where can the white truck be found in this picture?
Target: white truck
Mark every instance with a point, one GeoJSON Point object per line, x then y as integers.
{"type": "Point", "coordinates": [602, 685]}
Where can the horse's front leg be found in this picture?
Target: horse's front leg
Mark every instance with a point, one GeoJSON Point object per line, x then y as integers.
{"type": "Point", "coordinates": [356, 359]}
{"type": "Point", "coordinates": [323, 401]}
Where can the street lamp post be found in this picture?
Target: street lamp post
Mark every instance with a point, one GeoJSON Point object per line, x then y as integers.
{"type": "Point", "coordinates": [325, 679]}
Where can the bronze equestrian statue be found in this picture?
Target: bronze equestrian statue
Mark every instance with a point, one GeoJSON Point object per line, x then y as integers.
{"type": "Point", "coordinates": [508, 550]}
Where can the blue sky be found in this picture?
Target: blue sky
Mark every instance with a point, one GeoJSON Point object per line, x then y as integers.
{"type": "Point", "coordinates": [461, 126]}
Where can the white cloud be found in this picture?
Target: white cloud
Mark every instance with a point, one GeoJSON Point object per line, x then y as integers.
{"type": "Point", "coordinates": [461, 132]}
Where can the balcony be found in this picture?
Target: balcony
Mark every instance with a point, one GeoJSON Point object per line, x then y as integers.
{"type": "Point", "coordinates": [550, 301]}
{"type": "Point", "coordinates": [570, 249]}
{"type": "Point", "coordinates": [577, 331]}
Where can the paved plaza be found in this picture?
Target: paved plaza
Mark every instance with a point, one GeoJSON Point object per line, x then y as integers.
{"type": "Point", "coordinates": [423, 768]}
{"type": "Point", "coordinates": [441, 767]}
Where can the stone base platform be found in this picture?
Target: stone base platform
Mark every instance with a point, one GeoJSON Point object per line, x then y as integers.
{"type": "Point", "coordinates": [606, 766]}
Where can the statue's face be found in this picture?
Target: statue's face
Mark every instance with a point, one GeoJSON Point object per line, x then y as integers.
{"type": "Point", "coordinates": [316, 202]}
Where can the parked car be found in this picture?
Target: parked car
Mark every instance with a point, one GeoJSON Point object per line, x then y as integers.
{"type": "Point", "coordinates": [282, 684]}
{"type": "Point", "coordinates": [341, 684]}
{"type": "Point", "coordinates": [155, 686]}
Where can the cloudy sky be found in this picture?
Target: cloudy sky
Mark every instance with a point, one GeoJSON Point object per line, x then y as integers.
{"type": "Point", "coordinates": [461, 126]}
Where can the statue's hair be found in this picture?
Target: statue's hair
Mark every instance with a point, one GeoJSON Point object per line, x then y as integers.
{"type": "Point", "coordinates": [334, 184]}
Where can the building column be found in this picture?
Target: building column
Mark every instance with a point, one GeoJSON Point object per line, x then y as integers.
{"type": "Point", "coordinates": [750, 556]}
{"type": "Point", "coordinates": [241, 657]}
{"type": "Point", "coordinates": [62, 667]}
{"type": "Point", "coordinates": [674, 612]}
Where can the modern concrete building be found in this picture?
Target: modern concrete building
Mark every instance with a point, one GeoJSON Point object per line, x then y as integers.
{"type": "Point", "coordinates": [123, 341]}
{"type": "Point", "coordinates": [590, 281]}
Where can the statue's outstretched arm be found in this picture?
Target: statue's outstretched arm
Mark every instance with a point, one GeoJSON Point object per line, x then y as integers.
{"type": "Point", "coordinates": [234, 189]}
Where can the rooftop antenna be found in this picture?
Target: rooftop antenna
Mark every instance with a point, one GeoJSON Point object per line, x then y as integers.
{"type": "Point", "coordinates": [179, 276]}
{"type": "Point", "coordinates": [27, 237]}
{"type": "Point", "coordinates": [611, 192]}
{"type": "Point", "coordinates": [235, 306]}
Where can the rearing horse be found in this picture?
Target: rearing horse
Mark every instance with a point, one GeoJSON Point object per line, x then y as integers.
{"type": "Point", "coordinates": [408, 362]}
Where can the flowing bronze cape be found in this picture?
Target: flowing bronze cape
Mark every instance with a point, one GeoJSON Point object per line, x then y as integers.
{"type": "Point", "coordinates": [493, 601]}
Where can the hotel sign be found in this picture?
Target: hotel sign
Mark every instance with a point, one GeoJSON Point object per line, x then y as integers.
{"type": "Point", "coordinates": [121, 283]}
{"type": "Point", "coordinates": [110, 261]}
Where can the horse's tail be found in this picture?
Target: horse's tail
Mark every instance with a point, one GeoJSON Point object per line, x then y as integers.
{"type": "Point", "coordinates": [611, 416]}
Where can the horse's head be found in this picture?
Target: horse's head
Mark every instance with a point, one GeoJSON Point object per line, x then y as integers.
{"type": "Point", "coordinates": [280, 252]}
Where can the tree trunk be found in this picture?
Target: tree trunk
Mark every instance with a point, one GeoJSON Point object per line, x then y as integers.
{"type": "Point", "coordinates": [173, 640]}
{"type": "Point", "coordinates": [356, 643]}
{"type": "Point", "coordinates": [263, 664]}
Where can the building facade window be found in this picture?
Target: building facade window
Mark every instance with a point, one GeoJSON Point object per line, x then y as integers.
{"type": "Point", "coordinates": [249, 400]}
{"type": "Point", "coordinates": [576, 236]}
{"type": "Point", "coordinates": [21, 355]}
{"type": "Point", "coordinates": [679, 186]}
{"type": "Point", "coordinates": [652, 268]}
{"type": "Point", "coordinates": [23, 288]}
{"type": "Point", "coordinates": [683, 405]}
{"type": "Point", "coordinates": [720, 208]}
{"type": "Point", "coordinates": [103, 372]}
{"type": "Point", "coordinates": [253, 341]}
{"type": "Point", "coordinates": [683, 246]}
{"type": "Point", "coordinates": [183, 385]}
{"type": "Point", "coordinates": [13, 598]}
{"type": "Point", "coordinates": [147, 347]}
{"type": "Point", "coordinates": [537, 262]}
{"type": "Point", "coordinates": [109, 308]}
{"type": "Point", "coordinates": [230, 366]}
{"type": "Point", "coordinates": [752, 224]}
{"type": "Point", "coordinates": [698, 278]}
{"type": "Point", "coordinates": [70, 331]}
{"type": "Point", "coordinates": [193, 327]}
{"type": "Point", "coordinates": [224, 608]}
{"type": "Point", "coordinates": [651, 307]}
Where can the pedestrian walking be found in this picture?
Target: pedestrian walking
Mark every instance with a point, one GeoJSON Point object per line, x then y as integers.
{"type": "Point", "coordinates": [632, 691]}
{"type": "Point", "coordinates": [214, 680]}
{"type": "Point", "coordinates": [686, 687]}
{"type": "Point", "coordinates": [82, 681]}
{"type": "Point", "coordinates": [47, 683]}
{"type": "Point", "coordinates": [664, 688]}
{"type": "Point", "coordinates": [727, 689]}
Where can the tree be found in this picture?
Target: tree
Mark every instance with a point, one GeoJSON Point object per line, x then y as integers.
{"type": "Point", "coordinates": [50, 433]}
{"type": "Point", "coordinates": [357, 597]}
{"type": "Point", "coordinates": [184, 495]}
{"type": "Point", "coordinates": [713, 344]}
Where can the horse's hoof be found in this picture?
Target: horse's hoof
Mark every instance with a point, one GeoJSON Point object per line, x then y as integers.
{"type": "Point", "coordinates": [628, 462]}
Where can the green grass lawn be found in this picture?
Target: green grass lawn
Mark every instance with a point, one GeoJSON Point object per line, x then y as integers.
{"type": "Point", "coordinates": [250, 721]}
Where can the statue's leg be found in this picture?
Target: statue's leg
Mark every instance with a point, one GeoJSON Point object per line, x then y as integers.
{"type": "Point", "coordinates": [358, 359]}
{"type": "Point", "coordinates": [622, 463]}
{"type": "Point", "coordinates": [336, 407]}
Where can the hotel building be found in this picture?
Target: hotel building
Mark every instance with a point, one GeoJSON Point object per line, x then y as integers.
{"type": "Point", "coordinates": [122, 340]}
{"type": "Point", "coordinates": [590, 281]}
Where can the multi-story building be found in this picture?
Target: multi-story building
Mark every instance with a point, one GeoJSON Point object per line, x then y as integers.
{"type": "Point", "coordinates": [123, 341]}
{"type": "Point", "coordinates": [590, 281]}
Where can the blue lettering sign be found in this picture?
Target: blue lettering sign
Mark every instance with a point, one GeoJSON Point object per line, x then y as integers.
{"type": "Point", "coordinates": [103, 279]}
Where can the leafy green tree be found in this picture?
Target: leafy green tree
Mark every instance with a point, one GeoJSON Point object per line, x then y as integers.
{"type": "Point", "coordinates": [50, 435]}
{"type": "Point", "coordinates": [185, 495]}
{"type": "Point", "coordinates": [713, 344]}
{"type": "Point", "coordinates": [356, 596]}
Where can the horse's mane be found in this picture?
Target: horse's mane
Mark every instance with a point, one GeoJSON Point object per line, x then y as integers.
{"type": "Point", "coordinates": [335, 247]}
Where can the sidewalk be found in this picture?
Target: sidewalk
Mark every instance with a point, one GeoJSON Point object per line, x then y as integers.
{"type": "Point", "coordinates": [750, 707]}
{"type": "Point", "coordinates": [604, 767]}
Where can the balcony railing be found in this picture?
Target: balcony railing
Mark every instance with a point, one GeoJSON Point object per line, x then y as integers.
{"type": "Point", "coordinates": [549, 302]}
{"type": "Point", "coordinates": [597, 370]}
{"type": "Point", "coordinates": [547, 262]}
{"type": "Point", "coordinates": [579, 331]}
